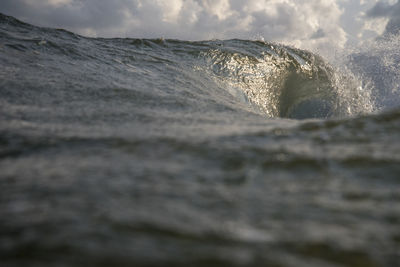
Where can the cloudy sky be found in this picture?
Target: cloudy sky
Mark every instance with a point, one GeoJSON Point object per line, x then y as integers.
{"type": "Point", "coordinates": [303, 23]}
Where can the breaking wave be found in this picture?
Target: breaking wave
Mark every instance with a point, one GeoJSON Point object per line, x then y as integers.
{"type": "Point", "coordinates": [273, 79]}
{"type": "Point", "coordinates": [288, 82]}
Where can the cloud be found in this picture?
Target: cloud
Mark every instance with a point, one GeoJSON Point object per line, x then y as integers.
{"type": "Point", "coordinates": [381, 9]}
{"type": "Point", "coordinates": [389, 11]}
{"type": "Point", "coordinates": [311, 24]}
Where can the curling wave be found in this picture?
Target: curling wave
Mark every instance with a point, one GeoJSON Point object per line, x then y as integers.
{"type": "Point", "coordinates": [276, 80]}
{"type": "Point", "coordinates": [288, 82]}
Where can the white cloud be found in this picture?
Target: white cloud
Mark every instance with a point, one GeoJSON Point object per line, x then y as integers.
{"type": "Point", "coordinates": [219, 8]}
{"type": "Point", "coordinates": [374, 27]}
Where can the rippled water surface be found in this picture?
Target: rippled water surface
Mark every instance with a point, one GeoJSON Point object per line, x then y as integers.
{"type": "Point", "coordinates": [132, 152]}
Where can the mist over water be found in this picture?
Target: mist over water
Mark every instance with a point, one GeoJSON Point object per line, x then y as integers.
{"type": "Point", "coordinates": [154, 152]}
{"type": "Point", "coordinates": [377, 64]}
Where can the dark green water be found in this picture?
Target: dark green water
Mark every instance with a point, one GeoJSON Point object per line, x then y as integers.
{"type": "Point", "coordinates": [130, 152]}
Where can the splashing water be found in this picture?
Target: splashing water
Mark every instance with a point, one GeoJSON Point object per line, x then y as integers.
{"type": "Point", "coordinates": [287, 82]}
{"type": "Point", "coordinates": [378, 64]}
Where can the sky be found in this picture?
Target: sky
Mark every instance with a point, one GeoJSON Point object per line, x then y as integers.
{"type": "Point", "coordinates": [310, 24]}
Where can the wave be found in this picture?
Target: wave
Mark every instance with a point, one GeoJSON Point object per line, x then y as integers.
{"type": "Point", "coordinates": [288, 82]}
{"type": "Point", "coordinates": [272, 79]}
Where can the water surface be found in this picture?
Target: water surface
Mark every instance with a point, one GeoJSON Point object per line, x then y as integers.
{"type": "Point", "coordinates": [134, 152]}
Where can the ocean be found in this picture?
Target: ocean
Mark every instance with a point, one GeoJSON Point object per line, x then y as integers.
{"type": "Point", "coordinates": [139, 152]}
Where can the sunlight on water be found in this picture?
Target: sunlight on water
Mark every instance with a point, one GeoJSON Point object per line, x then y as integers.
{"type": "Point", "coordinates": [281, 81]}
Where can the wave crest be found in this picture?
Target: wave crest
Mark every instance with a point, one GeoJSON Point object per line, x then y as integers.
{"type": "Point", "coordinates": [287, 82]}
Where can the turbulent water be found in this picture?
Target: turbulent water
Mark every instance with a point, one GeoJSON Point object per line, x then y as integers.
{"type": "Point", "coordinates": [133, 152]}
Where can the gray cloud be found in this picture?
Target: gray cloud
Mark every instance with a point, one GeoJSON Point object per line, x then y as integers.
{"type": "Point", "coordinates": [391, 11]}
{"type": "Point", "coordinates": [98, 15]}
{"type": "Point", "coordinates": [381, 9]}
{"type": "Point", "coordinates": [318, 34]}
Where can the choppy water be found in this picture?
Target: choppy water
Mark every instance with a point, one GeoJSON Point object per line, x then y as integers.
{"type": "Point", "coordinates": [131, 152]}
